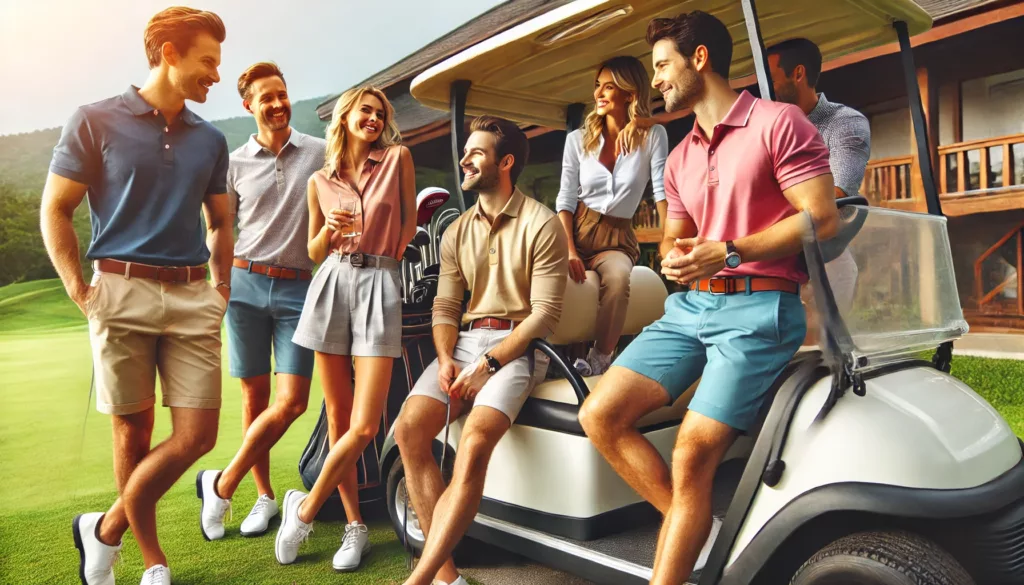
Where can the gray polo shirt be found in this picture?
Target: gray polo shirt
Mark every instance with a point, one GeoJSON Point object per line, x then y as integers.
{"type": "Point", "coordinates": [147, 179]}
{"type": "Point", "coordinates": [847, 134]}
{"type": "Point", "coordinates": [268, 195]}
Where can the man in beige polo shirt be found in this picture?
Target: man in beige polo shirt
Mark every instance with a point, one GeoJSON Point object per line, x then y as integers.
{"type": "Point", "coordinates": [482, 360]}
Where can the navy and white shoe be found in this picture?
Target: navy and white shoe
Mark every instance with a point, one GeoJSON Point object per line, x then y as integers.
{"type": "Point", "coordinates": [96, 560]}
{"type": "Point", "coordinates": [214, 509]}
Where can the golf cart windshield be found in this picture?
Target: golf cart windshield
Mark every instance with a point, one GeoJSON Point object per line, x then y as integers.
{"type": "Point", "coordinates": [892, 285]}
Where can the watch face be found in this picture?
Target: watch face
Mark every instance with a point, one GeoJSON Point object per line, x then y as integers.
{"type": "Point", "coordinates": [732, 260]}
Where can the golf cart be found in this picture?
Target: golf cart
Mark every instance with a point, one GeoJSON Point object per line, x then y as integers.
{"type": "Point", "coordinates": [869, 463]}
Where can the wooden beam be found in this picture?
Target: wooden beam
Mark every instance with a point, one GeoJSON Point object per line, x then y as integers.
{"type": "Point", "coordinates": [983, 203]}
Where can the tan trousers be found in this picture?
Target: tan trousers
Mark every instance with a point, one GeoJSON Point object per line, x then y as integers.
{"type": "Point", "coordinates": [609, 247]}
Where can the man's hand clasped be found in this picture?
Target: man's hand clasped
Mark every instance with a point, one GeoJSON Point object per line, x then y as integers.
{"type": "Point", "coordinates": [469, 381]}
{"type": "Point", "coordinates": [693, 259]}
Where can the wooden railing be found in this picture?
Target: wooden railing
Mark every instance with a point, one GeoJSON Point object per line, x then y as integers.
{"type": "Point", "coordinates": [646, 223]}
{"type": "Point", "coordinates": [984, 298]}
{"type": "Point", "coordinates": [979, 165]}
{"type": "Point", "coordinates": [888, 179]}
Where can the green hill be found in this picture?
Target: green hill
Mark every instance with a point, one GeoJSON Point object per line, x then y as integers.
{"type": "Point", "coordinates": [24, 161]}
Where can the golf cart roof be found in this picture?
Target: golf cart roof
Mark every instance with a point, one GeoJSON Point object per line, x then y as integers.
{"type": "Point", "coordinates": [532, 72]}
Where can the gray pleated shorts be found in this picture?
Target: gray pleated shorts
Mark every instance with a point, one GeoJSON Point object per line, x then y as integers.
{"type": "Point", "coordinates": [353, 311]}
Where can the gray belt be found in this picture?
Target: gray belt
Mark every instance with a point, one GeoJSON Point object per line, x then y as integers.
{"type": "Point", "coordinates": [361, 260]}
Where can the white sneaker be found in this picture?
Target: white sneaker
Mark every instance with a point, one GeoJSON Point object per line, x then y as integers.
{"type": "Point", "coordinates": [214, 509]}
{"type": "Point", "coordinates": [583, 367]}
{"type": "Point", "coordinates": [292, 532]}
{"type": "Point", "coordinates": [459, 581]}
{"type": "Point", "coordinates": [156, 575]}
{"type": "Point", "coordinates": [354, 546]}
{"type": "Point", "coordinates": [96, 560]}
{"type": "Point", "coordinates": [258, 520]}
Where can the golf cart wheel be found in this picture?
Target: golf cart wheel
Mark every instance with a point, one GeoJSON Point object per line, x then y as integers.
{"type": "Point", "coordinates": [398, 510]}
{"type": "Point", "coordinates": [882, 558]}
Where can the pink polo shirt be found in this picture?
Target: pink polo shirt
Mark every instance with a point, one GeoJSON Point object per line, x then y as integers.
{"type": "Point", "coordinates": [731, 186]}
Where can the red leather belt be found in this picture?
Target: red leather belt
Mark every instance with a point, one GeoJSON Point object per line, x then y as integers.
{"type": "Point", "coordinates": [491, 323]}
{"type": "Point", "coordinates": [728, 285]}
{"type": "Point", "coordinates": [272, 271]}
{"type": "Point", "coordinates": [147, 271]}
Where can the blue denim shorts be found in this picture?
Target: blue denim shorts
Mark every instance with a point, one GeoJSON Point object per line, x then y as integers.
{"type": "Point", "coordinates": [262, 315]}
{"type": "Point", "coordinates": [736, 344]}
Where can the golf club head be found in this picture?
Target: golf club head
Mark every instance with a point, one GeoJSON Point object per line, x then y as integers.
{"type": "Point", "coordinates": [427, 201]}
{"type": "Point", "coordinates": [422, 237]}
{"type": "Point", "coordinates": [412, 254]}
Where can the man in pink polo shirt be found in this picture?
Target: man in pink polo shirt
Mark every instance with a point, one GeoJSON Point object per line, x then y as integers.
{"type": "Point", "coordinates": [737, 188]}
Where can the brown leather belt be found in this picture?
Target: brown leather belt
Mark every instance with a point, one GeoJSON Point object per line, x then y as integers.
{"type": "Point", "coordinates": [490, 323]}
{"type": "Point", "coordinates": [272, 271]}
{"type": "Point", "coordinates": [728, 285]}
{"type": "Point", "coordinates": [147, 271]}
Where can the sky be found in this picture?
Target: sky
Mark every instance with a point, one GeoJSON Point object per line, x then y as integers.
{"type": "Point", "coordinates": [56, 55]}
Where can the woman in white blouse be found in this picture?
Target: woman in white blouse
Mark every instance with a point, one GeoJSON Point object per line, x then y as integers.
{"type": "Point", "coordinates": [605, 169]}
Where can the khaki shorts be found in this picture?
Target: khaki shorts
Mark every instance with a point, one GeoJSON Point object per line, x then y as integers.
{"type": "Point", "coordinates": [138, 327]}
{"type": "Point", "coordinates": [510, 386]}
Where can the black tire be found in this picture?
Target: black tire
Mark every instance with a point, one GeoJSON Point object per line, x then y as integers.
{"type": "Point", "coordinates": [395, 476]}
{"type": "Point", "coordinates": [882, 558]}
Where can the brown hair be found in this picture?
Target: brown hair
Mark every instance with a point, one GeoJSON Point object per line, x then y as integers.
{"type": "Point", "coordinates": [256, 72]}
{"type": "Point", "coordinates": [509, 139]}
{"type": "Point", "coordinates": [179, 26]}
{"type": "Point", "coordinates": [690, 30]}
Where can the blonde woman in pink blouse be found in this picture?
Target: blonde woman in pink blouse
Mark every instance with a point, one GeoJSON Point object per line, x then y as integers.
{"type": "Point", "coordinates": [362, 215]}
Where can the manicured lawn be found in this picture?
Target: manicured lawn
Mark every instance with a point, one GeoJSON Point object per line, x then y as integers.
{"type": "Point", "coordinates": [55, 462]}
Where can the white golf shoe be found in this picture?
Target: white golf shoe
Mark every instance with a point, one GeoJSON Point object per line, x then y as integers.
{"type": "Point", "coordinates": [258, 520]}
{"type": "Point", "coordinates": [156, 575]}
{"type": "Point", "coordinates": [96, 560]}
{"type": "Point", "coordinates": [354, 546]}
{"type": "Point", "coordinates": [214, 509]}
{"type": "Point", "coordinates": [292, 532]}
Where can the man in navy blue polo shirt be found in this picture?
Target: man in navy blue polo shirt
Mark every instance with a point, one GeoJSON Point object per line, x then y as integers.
{"type": "Point", "coordinates": [151, 169]}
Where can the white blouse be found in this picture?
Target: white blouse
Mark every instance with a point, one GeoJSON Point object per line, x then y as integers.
{"type": "Point", "coordinates": [618, 193]}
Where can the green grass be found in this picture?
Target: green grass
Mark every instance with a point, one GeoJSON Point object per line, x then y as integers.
{"type": "Point", "coordinates": [55, 462]}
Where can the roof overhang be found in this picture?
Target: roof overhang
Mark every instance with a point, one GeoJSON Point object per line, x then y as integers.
{"type": "Point", "coordinates": [532, 72]}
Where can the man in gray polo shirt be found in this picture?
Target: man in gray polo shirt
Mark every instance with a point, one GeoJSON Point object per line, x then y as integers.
{"type": "Point", "coordinates": [272, 269]}
{"type": "Point", "coordinates": [150, 168]}
{"type": "Point", "coordinates": [795, 66]}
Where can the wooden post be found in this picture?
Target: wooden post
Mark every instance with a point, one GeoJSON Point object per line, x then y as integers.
{"type": "Point", "coordinates": [930, 106]}
{"type": "Point", "coordinates": [1020, 272]}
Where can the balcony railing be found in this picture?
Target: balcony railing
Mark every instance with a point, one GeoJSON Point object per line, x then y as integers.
{"type": "Point", "coordinates": [888, 180]}
{"type": "Point", "coordinates": [646, 223]}
{"type": "Point", "coordinates": [987, 166]}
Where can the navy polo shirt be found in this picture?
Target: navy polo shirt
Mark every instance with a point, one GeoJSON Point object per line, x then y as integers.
{"type": "Point", "coordinates": [147, 179]}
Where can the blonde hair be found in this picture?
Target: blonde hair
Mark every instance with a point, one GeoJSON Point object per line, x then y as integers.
{"type": "Point", "coordinates": [337, 132]}
{"type": "Point", "coordinates": [629, 75]}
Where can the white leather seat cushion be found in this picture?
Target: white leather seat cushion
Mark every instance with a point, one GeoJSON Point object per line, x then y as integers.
{"type": "Point", "coordinates": [647, 294]}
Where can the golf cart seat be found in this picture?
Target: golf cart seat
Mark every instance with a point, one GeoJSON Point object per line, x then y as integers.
{"type": "Point", "coordinates": [647, 294]}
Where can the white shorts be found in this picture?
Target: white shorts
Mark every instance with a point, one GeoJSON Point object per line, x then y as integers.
{"type": "Point", "coordinates": [507, 390]}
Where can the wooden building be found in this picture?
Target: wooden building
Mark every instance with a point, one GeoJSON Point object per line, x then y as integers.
{"type": "Point", "coordinates": [971, 74]}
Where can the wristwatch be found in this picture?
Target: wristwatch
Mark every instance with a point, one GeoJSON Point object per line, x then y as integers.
{"type": "Point", "coordinates": [732, 257]}
{"type": "Point", "coordinates": [492, 364]}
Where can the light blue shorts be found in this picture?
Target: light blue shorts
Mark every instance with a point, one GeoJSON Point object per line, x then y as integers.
{"type": "Point", "coordinates": [263, 312]}
{"type": "Point", "coordinates": [736, 344]}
